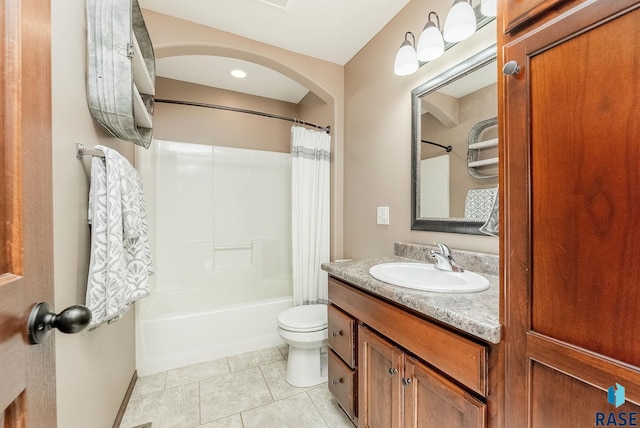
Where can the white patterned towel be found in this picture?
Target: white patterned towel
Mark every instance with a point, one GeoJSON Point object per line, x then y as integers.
{"type": "Point", "coordinates": [120, 262]}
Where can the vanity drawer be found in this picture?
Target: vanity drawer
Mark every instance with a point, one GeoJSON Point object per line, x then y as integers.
{"type": "Point", "coordinates": [341, 335]}
{"type": "Point", "coordinates": [462, 359]}
{"type": "Point", "coordinates": [341, 383]}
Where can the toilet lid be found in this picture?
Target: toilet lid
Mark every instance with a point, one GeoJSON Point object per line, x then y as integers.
{"type": "Point", "coordinates": [304, 318]}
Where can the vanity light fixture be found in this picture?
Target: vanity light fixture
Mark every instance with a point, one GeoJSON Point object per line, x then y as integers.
{"type": "Point", "coordinates": [430, 43]}
{"type": "Point", "coordinates": [460, 23]}
{"type": "Point", "coordinates": [406, 59]}
{"type": "Point", "coordinates": [238, 73]}
{"type": "Point", "coordinates": [489, 7]}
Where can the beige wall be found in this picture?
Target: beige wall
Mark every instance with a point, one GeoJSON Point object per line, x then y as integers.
{"type": "Point", "coordinates": [93, 368]}
{"type": "Point", "coordinates": [314, 110]}
{"type": "Point", "coordinates": [219, 127]}
{"type": "Point", "coordinates": [377, 161]}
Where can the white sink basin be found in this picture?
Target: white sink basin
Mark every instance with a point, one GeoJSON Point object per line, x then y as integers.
{"type": "Point", "coordinates": [422, 276]}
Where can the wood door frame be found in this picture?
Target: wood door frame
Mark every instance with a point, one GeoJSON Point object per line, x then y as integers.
{"type": "Point", "coordinates": [27, 184]}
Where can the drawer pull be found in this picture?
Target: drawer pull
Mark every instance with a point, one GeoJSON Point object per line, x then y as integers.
{"type": "Point", "coordinates": [336, 333]}
{"type": "Point", "coordinates": [337, 381]}
{"type": "Point", "coordinates": [393, 371]}
{"type": "Point", "coordinates": [406, 381]}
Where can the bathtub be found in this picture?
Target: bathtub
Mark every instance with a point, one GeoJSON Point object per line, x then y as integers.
{"type": "Point", "coordinates": [220, 301]}
{"type": "Point", "coordinates": [172, 334]}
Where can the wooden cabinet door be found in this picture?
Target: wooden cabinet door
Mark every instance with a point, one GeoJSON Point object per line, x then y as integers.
{"type": "Point", "coordinates": [516, 12]}
{"type": "Point", "coordinates": [380, 366]}
{"type": "Point", "coordinates": [433, 401]}
{"type": "Point", "coordinates": [571, 219]}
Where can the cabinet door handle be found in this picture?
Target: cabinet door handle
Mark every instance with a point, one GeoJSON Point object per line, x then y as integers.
{"type": "Point", "coordinates": [406, 381]}
{"type": "Point", "coordinates": [336, 333]}
{"type": "Point", "coordinates": [393, 371]}
{"type": "Point", "coordinates": [511, 69]}
{"type": "Point", "coordinates": [337, 381]}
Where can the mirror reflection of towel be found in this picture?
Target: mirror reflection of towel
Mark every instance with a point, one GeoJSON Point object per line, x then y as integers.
{"type": "Point", "coordinates": [491, 226]}
{"type": "Point", "coordinates": [479, 203]}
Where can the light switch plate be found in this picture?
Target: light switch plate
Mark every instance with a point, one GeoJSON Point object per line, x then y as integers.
{"type": "Point", "coordinates": [382, 215]}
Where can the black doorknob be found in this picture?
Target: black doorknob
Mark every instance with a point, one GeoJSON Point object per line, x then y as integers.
{"type": "Point", "coordinates": [42, 319]}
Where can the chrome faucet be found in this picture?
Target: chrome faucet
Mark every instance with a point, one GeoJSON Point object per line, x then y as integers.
{"type": "Point", "coordinates": [444, 259]}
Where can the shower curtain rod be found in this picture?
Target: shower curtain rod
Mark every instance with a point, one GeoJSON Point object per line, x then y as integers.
{"type": "Point", "coordinates": [327, 128]}
{"type": "Point", "coordinates": [447, 148]}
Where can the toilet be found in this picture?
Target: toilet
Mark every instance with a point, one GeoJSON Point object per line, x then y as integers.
{"type": "Point", "coordinates": [304, 329]}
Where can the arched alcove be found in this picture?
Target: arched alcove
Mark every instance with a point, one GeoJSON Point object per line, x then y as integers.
{"type": "Point", "coordinates": [165, 51]}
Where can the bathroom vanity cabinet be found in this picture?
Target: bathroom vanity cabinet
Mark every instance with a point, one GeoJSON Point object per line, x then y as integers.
{"type": "Point", "coordinates": [570, 132]}
{"type": "Point", "coordinates": [390, 367]}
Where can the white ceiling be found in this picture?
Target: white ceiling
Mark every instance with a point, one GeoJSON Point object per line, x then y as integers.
{"type": "Point", "coordinates": [331, 30]}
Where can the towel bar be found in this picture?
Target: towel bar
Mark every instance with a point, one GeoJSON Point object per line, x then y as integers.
{"type": "Point", "coordinates": [82, 151]}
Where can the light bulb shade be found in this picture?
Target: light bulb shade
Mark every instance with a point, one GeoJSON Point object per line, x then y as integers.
{"type": "Point", "coordinates": [460, 23]}
{"type": "Point", "coordinates": [489, 7]}
{"type": "Point", "coordinates": [430, 44]}
{"type": "Point", "coordinates": [406, 60]}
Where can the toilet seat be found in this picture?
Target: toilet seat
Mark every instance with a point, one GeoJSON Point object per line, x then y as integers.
{"type": "Point", "coordinates": [303, 319]}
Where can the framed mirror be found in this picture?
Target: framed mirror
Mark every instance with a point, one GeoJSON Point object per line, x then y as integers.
{"type": "Point", "coordinates": [454, 152]}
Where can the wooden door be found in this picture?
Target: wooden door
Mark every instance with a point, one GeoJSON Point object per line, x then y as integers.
{"type": "Point", "coordinates": [572, 219]}
{"type": "Point", "coordinates": [380, 368]}
{"type": "Point", "coordinates": [433, 401]}
{"type": "Point", "coordinates": [27, 373]}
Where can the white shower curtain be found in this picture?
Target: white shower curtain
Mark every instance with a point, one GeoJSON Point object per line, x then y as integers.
{"type": "Point", "coordinates": [310, 151]}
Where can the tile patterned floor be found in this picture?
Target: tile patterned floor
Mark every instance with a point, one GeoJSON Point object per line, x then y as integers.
{"type": "Point", "coordinates": [242, 391]}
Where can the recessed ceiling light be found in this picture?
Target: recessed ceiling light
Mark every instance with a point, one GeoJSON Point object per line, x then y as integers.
{"type": "Point", "coordinates": [238, 73]}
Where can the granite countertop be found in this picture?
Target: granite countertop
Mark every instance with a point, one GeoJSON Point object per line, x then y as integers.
{"type": "Point", "coordinates": [473, 313]}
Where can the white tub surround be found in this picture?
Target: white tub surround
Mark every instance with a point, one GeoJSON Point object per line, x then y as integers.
{"type": "Point", "coordinates": [221, 234]}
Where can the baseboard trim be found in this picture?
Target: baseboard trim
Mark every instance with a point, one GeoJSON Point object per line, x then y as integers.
{"type": "Point", "coordinates": [125, 401]}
